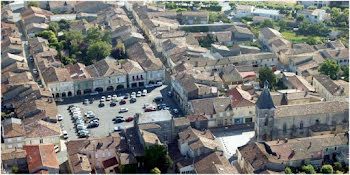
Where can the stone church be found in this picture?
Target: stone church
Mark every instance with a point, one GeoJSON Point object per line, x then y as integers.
{"type": "Point", "coordinates": [300, 120]}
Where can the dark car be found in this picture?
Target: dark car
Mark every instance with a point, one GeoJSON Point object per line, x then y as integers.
{"type": "Point", "coordinates": [132, 100]}
{"type": "Point", "coordinates": [158, 99]}
{"type": "Point", "coordinates": [161, 106]}
{"type": "Point", "coordinates": [101, 105]}
{"type": "Point", "coordinates": [93, 125]}
{"type": "Point", "coordinates": [92, 101]}
{"type": "Point", "coordinates": [70, 106]}
{"type": "Point", "coordinates": [84, 135]}
{"type": "Point", "coordinates": [119, 120]}
{"type": "Point", "coordinates": [127, 95]}
{"type": "Point", "coordinates": [86, 101]}
{"type": "Point", "coordinates": [95, 118]}
{"type": "Point", "coordinates": [113, 103]}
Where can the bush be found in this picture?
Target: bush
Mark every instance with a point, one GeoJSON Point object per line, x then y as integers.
{"type": "Point", "coordinates": [267, 23]}
{"type": "Point", "coordinates": [288, 171]}
{"type": "Point", "coordinates": [327, 169]}
{"type": "Point", "coordinates": [308, 169]}
{"type": "Point", "coordinates": [155, 171]}
{"type": "Point", "coordinates": [311, 41]}
{"type": "Point", "coordinates": [33, 3]}
{"type": "Point", "coordinates": [15, 169]}
{"type": "Point", "coordinates": [312, 7]}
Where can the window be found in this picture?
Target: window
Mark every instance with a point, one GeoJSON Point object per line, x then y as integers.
{"type": "Point", "coordinates": [41, 141]}
{"type": "Point", "coordinates": [317, 122]}
{"type": "Point", "coordinates": [86, 84]}
{"type": "Point", "coordinates": [301, 125]}
{"type": "Point", "coordinates": [9, 140]}
{"type": "Point", "coordinates": [19, 145]}
{"type": "Point", "coordinates": [103, 154]}
{"type": "Point", "coordinates": [266, 121]}
{"type": "Point", "coordinates": [9, 146]}
{"type": "Point", "coordinates": [109, 154]}
{"type": "Point", "coordinates": [248, 120]}
{"type": "Point", "coordinates": [96, 155]}
{"type": "Point", "coordinates": [78, 86]}
{"type": "Point", "coordinates": [285, 128]}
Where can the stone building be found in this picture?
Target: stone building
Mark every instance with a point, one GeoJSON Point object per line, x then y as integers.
{"type": "Point", "coordinates": [300, 120]}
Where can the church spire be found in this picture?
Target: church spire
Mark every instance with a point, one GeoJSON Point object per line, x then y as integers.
{"type": "Point", "coordinates": [265, 100]}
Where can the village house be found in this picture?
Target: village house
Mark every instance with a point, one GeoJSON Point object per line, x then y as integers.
{"type": "Point", "coordinates": [300, 120]}
{"type": "Point", "coordinates": [256, 157]}
{"type": "Point", "coordinates": [329, 90]}
{"type": "Point", "coordinates": [341, 56]}
{"type": "Point", "coordinates": [11, 45]}
{"type": "Point", "coordinates": [91, 7]}
{"type": "Point", "coordinates": [317, 15]}
{"type": "Point", "coordinates": [61, 6]}
{"type": "Point", "coordinates": [42, 159]}
{"type": "Point", "coordinates": [143, 54]}
{"type": "Point", "coordinates": [59, 17]}
{"type": "Point", "coordinates": [14, 157]}
{"type": "Point", "coordinates": [136, 76]}
{"type": "Point", "coordinates": [241, 35]}
{"type": "Point", "coordinates": [89, 17]}
{"type": "Point", "coordinates": [107, 75]}
{"type": "Point", "coordinates": [293, 81]}
{"type": "Point", "coordinates": [243, 10]}
{"type": "Point", "coordinates": [269, 13]}
{"type": "Point", "coordinates": [13, 133]}
{"type": "Point", "coordinates": [88, 155]}
{"type": "Point", "coordinates": [34, 28]}
{"type": "Point", "coordinates": [81, 26]}
{"type": "Point", "coordinates": [59, 81]}
{"type": "Point", "coordinates": [273, 40]}
{"type": "Point", "coordinates": [9, 59]}
{"type": "Point", "coordinates": [189, 18]}
{"type": "Point", "coordinates": [242, 49]}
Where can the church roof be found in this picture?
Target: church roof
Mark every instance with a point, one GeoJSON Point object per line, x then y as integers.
{"type": "Point", "coordinates": [265, 100]}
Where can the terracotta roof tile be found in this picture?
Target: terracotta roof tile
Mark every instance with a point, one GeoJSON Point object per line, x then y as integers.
{"type": "Point", "coordinates": [12, 154]}
{"type": "Point", "coordinates": [42, 155]}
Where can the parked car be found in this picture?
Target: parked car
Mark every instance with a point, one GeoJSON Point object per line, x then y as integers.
{"type": "Point", "coordinates": [159, 83]}
{"type": "Point", "coordinates": [35, 71]}
{"type": "Point", "coordinates": [118, 128]}
{"type": "Point", "coordinates": [103, 99]}
{"type": "Point", "coordinates": [31, 58]}
{"type": "Point", "coordinates": [114, 97]}
{"type": "Point", "coordinates": [175, 111]}
{"type": "Point", "coordinates": [113, 103]}
{"type": "Point", "coordinates": [86, 101]}
{"type": "Point", "coordinates": [109, 98]}
{"type": "Point", "coordinates": [92, 101]}
{"type": "Point", "coordinates": [149, 85]}
{"type": "Point", "coordinates": [123, 110]}
{"type": "Point", "coordinates": [158, 99]}
{"type": "Point", "coordinates": [116, 118]}
{"type": "Point", "coordinates": [132, 100]}
{"type": "Point", "coordinates": [149, 109]}
{"type": "Point", "coordinates": [144, 92]}
{"type": "Point", "coordinates": [71, 106]}
{"type": "Point", "coordinates": [93, 125]}
{"type": "Point", "coordinates": [65, 134]}
{"type": "Point", "coordinates": [119, 120]}
{"type": "Point", "coordinates": [59, 117]}
{"type": "Point", "coordinates": [139, 94]}
{"type": "Point", "coordinates": [127, 95]}
{"type": "Point", "coordinates": [123, 101]}
{"type": "Point", "coordinates": [129, 119]}
{"type": "Point", "coordinates": [80, 127]}
{"type": "Point", "coordinates": [101, 105]}
{"type": "Point", "coordinates": [133, 93]}
{"type": "Point", "coordinates": [145, 105]}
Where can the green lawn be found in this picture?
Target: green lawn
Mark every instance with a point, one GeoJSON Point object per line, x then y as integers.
{"type": "Point", "coordinates": [292, 37]}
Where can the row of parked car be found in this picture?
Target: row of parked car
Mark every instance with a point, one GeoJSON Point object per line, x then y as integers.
{"type": "Point", "coordinates": [79, 121]}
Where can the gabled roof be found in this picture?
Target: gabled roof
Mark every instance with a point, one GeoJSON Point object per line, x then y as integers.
{"type": "Point", "coordinates": [238, 100]}
{"type": "Point", "coordinates": [265, 100]}
{"type": "Point", "coordinates": [42, 155]}
{"type": "Point", "coordinates": [106, 67]}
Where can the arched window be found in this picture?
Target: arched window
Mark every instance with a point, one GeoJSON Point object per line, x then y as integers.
{"type": "Point", "coordinates": [266, 121]}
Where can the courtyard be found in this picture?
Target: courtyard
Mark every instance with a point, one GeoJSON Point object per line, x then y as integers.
{"type": "Point", "coordinates": [107, 113]}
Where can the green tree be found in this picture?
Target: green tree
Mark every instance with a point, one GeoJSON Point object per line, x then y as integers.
{"type": "Point", "coordinates": [33, 4]}
{"type": "Point", "coordinates": [98, 50]}
{"type": "Point", "coordinates": [345, 70]}
{"type": "Point", "coordinates": [15, 169]}
{"type": "Point", "coordinates": [53, 26]}
{"type": "Point", "coordinates": [207, 41]}
{"type": "Point", "coordinates": [308, 169]}
{"type": "Point", "coordinates": [107, 37]}
{"type": "Point", "coordinates": [64, 24]}
{"type": "Point", "coordinates": [93, 34]}
{"type": "Point", "coordinates": [73, 35]}
{"type": "Point", "coordinates": [337, 165]}
{"type": "Point", "coordinates": [312, 7]}
{"type": "Point", "coordinates": [119, 51]}
{"type": "Point", "coordinates": [157, 156]}
{"type": "Point", "coordinates": [298, 7]}
{"type": "Point", "coordinates": [300, 18]}
{"type": "Point", "coordinates": [283, 25]}
{"type": "Point", "coordinates": [328, 9]}
{"type": "Point", "coordinates": [311, 40]}
{"type": "Point", "coordinates": [266, 73]}
{"type": "Point", "coordinates": [155, 171]}
{"type": "Point", "coordinates": [267, 23]}
{"type": "Point", "coordinates": [288, 171]}
{"type": "Point", "coordinates": [327, 169]}
{"type": "Point", "coordinates": [329, 67]}
{"type": "Point", "coordinates": [4, 115]}
{"type": "Point", "coordinates": [67, 60]}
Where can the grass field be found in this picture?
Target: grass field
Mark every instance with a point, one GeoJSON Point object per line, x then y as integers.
{"type": "Point", "coordinates": [292, 37]}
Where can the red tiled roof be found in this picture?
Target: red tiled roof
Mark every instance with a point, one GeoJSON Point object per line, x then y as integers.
{"type": "Point", "coordinates": [247, 74]}
{"type": "Point", "coordinates": [237, 99]}
{"type": "Point", "coordinates": [110, 162]}
{"type": "Point", "coordinates": [41, 155]}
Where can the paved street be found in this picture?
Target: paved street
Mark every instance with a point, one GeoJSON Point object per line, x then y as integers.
{"type": "Point", "coordinates": [230, 140]}
{"type": "Point", "coordinates": [107, 113]}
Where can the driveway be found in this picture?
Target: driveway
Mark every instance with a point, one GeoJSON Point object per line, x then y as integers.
{"type": "Point", "coordinates": [107, 113]}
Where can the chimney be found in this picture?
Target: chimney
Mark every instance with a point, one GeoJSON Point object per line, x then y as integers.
{"type": "Point", "coordinates": [286, 140]}
{"type": "Point", "coordinates": [278, 140]}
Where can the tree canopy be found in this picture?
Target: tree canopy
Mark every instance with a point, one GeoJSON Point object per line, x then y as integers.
{"type": "Point", "coordinates": [267, 23]}
{"type": "Point", "coordinates": [33, 4]}
{"type": "Point", "coordinates": [308, 169]}
{"type": "Point", "coordinates": [93, 34]}
{"type": "Point", "coordinates": [266, 73]}
{"type": "Point", "coordinates": [326, 169]}
{"type": "Point", "coordinates": [329, 67]}
{"type": "Point", "coordinates": [98, 50]}
{"type": "Point", "coordinates": [345, 74]}
{"type": "Point", "coordinates": [288, 170]}
{"type": "Point", "coordinates": [157, 156]}
{"type": "Point", "coordinates": [283, 25]}
{"type": "Point", "coordinates": [316, 29]}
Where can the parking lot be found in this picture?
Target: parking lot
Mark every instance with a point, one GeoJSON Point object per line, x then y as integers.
{"type": "Point", "coordinates": [107, 113]}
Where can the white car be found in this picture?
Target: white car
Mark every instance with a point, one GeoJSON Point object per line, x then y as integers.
{"type": "Point", "coordinates": [159, 83]}
{"type": "Point", "coordinates": [138, 94]}
{"type": "Point", "coordinates": [109, 97]}
{"type": "Point", "coordinates": [89, 113]}
{"type": "Point", "coordinates": [35, 71]}
{"type": "Point", "coordinates": [114, 97]}
{"type": "Point", "coordinates": [59, 117]}
{"type": "Point", "coordinates": [103, 98]}
{"type": "Point", "coordinates": [65, 134]}
{"type": "Point", "coordinates": [149, 85]}
{"type": "Point", "coordinates": [123, 110]}
{"type": "Point", "coordinates": [144, 92]}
